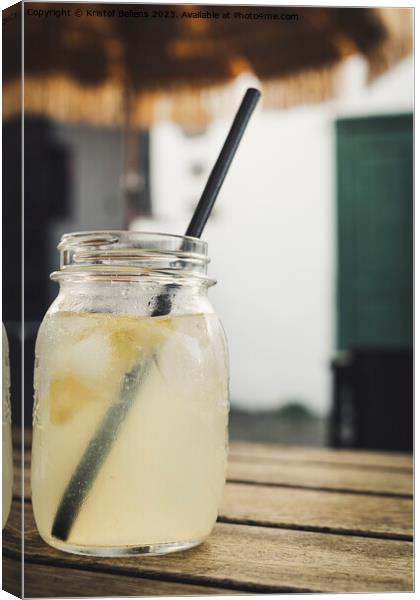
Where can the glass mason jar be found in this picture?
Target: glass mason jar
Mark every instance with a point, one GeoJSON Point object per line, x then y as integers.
{"type": "Point", "coordinates": [7, 451]}
{"type": "Point", "coordinates": [131, 397]}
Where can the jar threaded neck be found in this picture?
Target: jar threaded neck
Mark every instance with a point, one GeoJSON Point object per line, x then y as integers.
{"type": "Point", "coordinates": [122, 254]}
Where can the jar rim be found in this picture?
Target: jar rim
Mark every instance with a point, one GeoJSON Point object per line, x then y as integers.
{"type": "Point", "coordinates": [110, 235]}
{"type": "Point", "coordinates": [142, 253]}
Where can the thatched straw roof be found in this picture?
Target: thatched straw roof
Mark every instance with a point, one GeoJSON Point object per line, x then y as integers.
{"type": "Point", "coordinates": [104, 66]}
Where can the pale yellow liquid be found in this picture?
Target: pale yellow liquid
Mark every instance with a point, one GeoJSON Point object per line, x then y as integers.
{"type": "Point", "coordinates": [163, 478]}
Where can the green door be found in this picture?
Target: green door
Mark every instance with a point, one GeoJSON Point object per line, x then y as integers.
{"type": "Point", "coordinates": [375, 232]}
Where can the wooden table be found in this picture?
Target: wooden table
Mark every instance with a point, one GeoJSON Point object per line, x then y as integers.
{"type": "Point", "coordinates": [292, 520]}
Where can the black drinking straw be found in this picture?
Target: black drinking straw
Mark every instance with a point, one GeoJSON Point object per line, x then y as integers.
{"type": "Point", "coordinates": [100, 445]}
{"type": "Point", "coordinates": [221, 167]}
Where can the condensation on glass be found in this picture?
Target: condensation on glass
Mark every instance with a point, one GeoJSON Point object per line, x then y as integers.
{"type": "Point", "coordinates": [131, 397]}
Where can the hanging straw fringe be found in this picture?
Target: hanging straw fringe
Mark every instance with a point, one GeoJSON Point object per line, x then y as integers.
{"type": "Point", "coordinates": [308, 87]}
{"type": "Point", "coordinates": [398, 24]}
{"type": "Point", "coordinates": [63, 99]}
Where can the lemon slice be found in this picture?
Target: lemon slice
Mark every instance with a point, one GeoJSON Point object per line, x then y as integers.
{"type": "Point", "coordinates": [67, 396]}
{"type": "Point", "coordinates": [133, 340]}
{"type": "Point", "coordinates": [75, 384]}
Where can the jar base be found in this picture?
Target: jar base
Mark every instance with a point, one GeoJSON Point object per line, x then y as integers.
{"type": "Point", "coordinates": [115, 551]}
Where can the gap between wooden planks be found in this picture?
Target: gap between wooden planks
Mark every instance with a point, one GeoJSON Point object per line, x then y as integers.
{"type": "Point", "coordinates": [252, 559]}
{"type": "Point", "coordinates": [328, 475]}
{"type": "Point", "coordinates": [288, 505]}
{"type": "Point", "coordinates": [322, 476]}
{"type": "Point", "coordinates": [41, 582]}
{"type": "Point", "coordinates": [312, 510]}
{"type": "Point", "coordinates": [278, 507]}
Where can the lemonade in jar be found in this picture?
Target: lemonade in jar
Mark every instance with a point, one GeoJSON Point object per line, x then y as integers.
{"type": "Point", "coordinates": [131, 398]}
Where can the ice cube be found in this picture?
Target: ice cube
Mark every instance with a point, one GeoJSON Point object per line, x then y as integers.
{"type": "Point", "coordinates": [88, 359]}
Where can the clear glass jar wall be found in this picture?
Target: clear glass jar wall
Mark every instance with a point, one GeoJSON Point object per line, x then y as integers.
{"type": "Point", "coordinates": [131, 398]}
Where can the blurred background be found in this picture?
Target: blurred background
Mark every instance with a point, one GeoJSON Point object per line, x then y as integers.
{"type": "Point", "coordinates": [311, 239]}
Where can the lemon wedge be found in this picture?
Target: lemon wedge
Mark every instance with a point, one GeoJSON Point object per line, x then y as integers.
{"type": "Point", "coordinates": [67, 396]}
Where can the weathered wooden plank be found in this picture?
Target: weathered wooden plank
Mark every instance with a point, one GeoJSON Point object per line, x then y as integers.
{"type": "Point", "coordinates": [320, 476]}
{"type": "Point", "coordinates": [305, 508]}
{"type": "Point", "coordinates": [361, 458]}
{"type": "Point", "coordinates": [12, 576]}
{"type": "Point", "coordinates": [328, 476]}
{"type": "Point", "coordinates": [322, 511]}
{"type": "Point", "coordinates": [43, 581]}
{"type": "Point", "coordinates": [369, 458]}
{"type": "Point", "coordinates": [255, 559]}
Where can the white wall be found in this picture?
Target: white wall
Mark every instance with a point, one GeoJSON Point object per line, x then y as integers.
{"type": "Point", "coordinates": [272, 237]}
